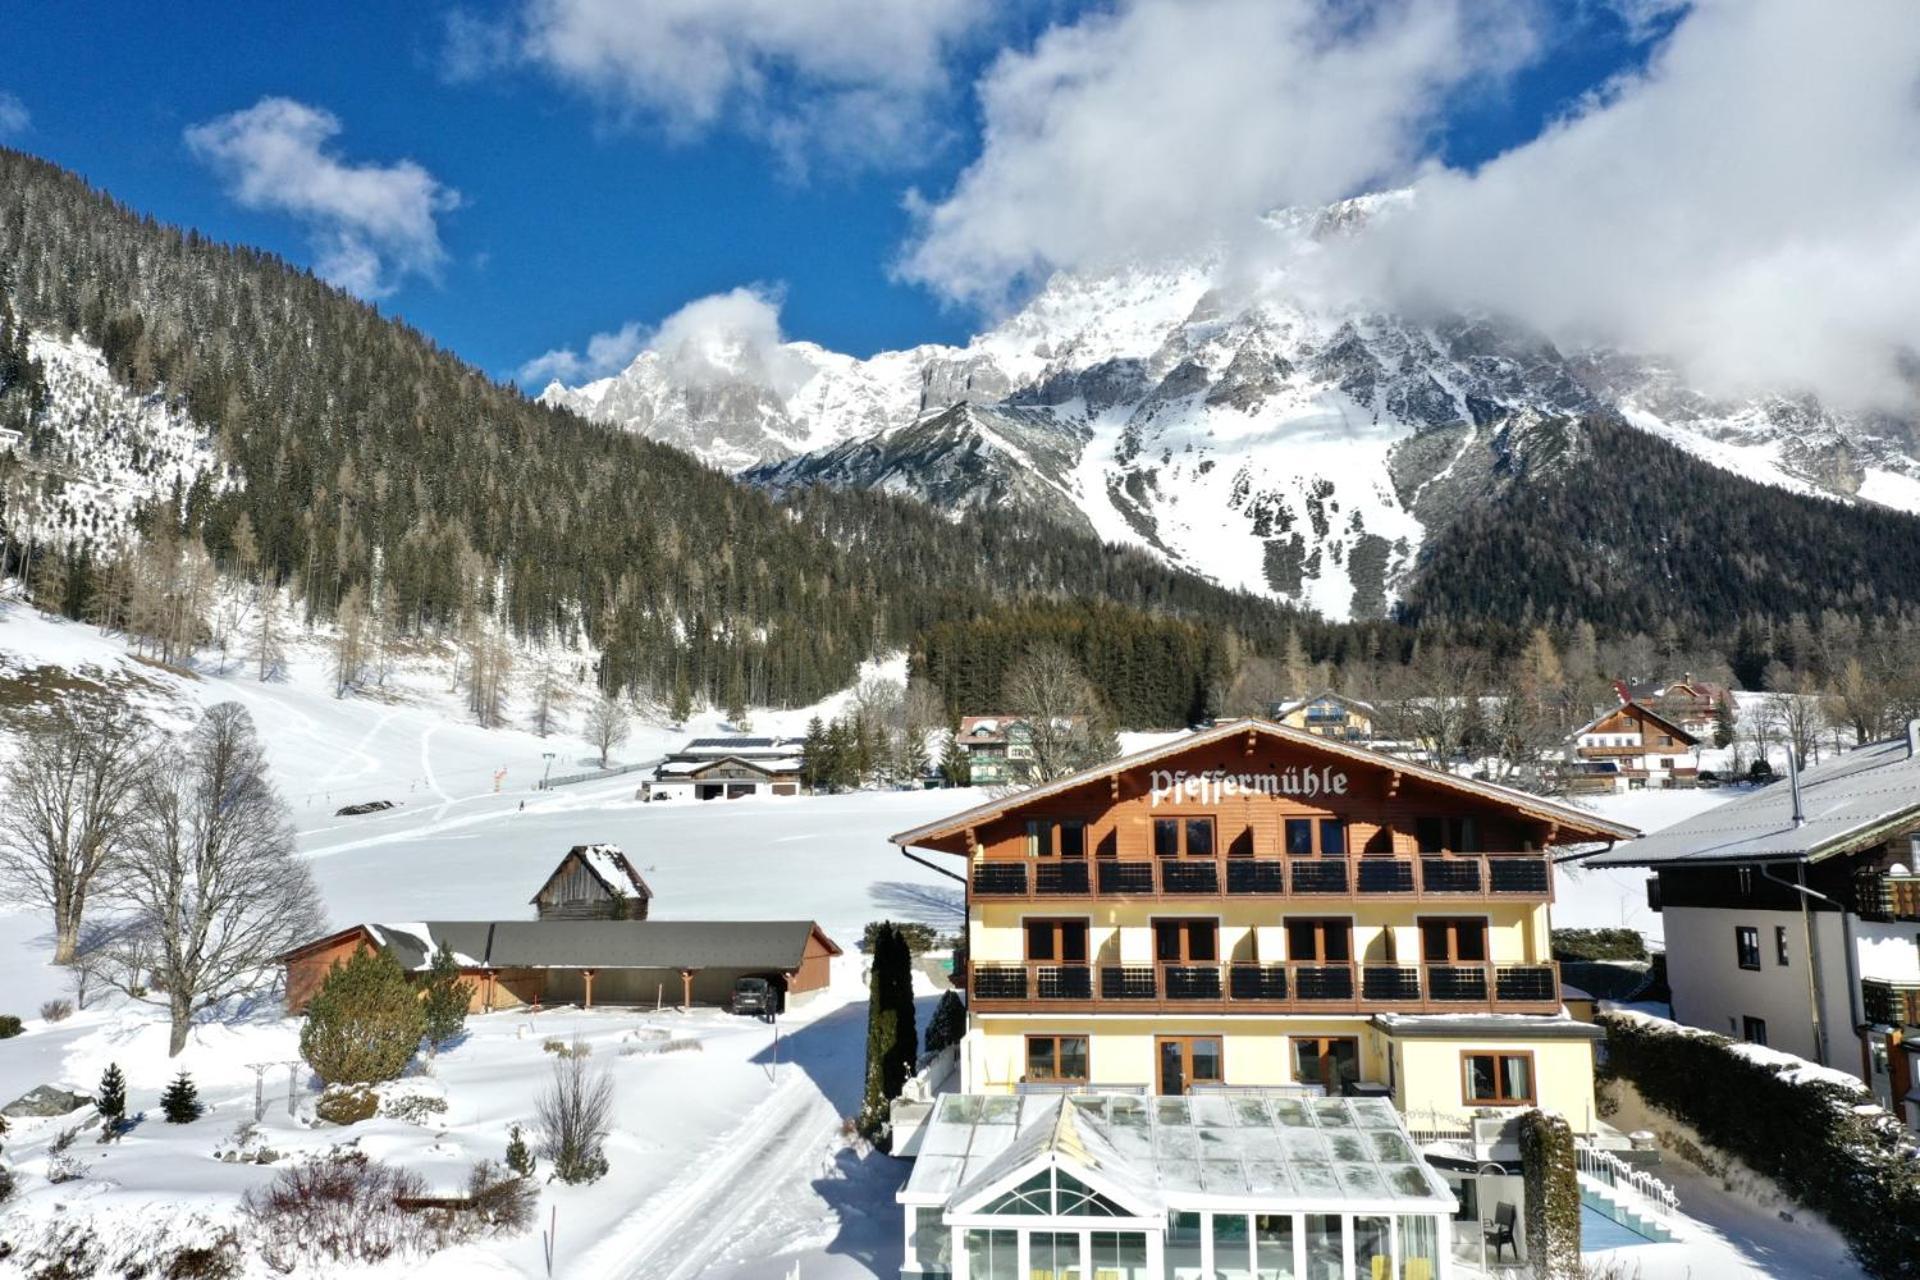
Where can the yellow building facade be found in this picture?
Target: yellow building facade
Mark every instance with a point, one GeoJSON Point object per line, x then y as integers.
{"type": "Point", "coordinates": [1257, 906]}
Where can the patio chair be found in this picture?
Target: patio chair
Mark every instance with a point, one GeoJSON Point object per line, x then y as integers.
{"type": "Point", "coordinates": [1499, 1232]}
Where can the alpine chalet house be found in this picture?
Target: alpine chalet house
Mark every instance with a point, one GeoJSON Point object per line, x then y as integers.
{"type": "Point", "coordinates": [728, 768]}
{"type": "Point", "coordinates": [1634, 747]}
{"type": "Point", "coordinates": [1792, 916]}
{"type": "Point", "coordinates": [593, 882]}
{"type": "Point", "coordinates": [999, 749]}
{"type": "Point", "coordinates": [1259, 929]}
{"type": "Point", "coordinates": [1694, 705]}
{"type": "Point", "coordinates": [1329, 715]}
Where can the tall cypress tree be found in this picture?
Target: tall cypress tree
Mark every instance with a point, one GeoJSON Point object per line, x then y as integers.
{"type": "Point", "coordinates": [892, 1039]}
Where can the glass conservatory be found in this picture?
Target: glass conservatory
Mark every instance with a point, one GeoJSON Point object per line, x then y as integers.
{"type": "Point", "coordinates": [1245, 1186]}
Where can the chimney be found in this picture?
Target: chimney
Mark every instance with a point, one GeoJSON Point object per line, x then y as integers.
{"type": "Point", "coordinates": [1793, 780]}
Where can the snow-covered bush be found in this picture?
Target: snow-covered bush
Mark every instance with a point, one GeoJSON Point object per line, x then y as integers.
{"type": "Point", "coordinates": [576, 1113]}
{"type": "Point", "coordinates": [414, 1108]}
{"type": "Point", "coordinates": [365, 1023]}
{"type": "Point", "coordinates": [344, 1105]}
{"type": "Point", "coordinates": [498, 1200]}
{"type": "Point", "coordinates": [341, 1209]}
{"type": "Point", "coordinates": [57, 1010]}
{"type": "Point", "coordinates": [1816, 1132]}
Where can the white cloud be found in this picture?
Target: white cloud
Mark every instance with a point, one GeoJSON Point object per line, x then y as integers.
{"type": "Point", "coordinates": [607, 353]}
{"type": "Point", "coordinates": [733, 336]}
{"type": "Point", "coordinates": [851, 76]}
{"type": "Point", "coordinates": [1163, 126]}
{"type": "Point", "coordinates": [1745, 206]}
{"type": "Point", "coordinates": [371, 224]}
{"type": "Point", "coordinates": [14, 117]}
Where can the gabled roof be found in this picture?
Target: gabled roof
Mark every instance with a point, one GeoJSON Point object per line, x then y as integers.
{"type": "Point", "coordinates": [1646, 712]}
{"type": "Point", "coordinates": [1577, 824]}
{"type": "Point", "coordinates": [1325, 695]}
{"type": "Point", "coordinates": [608, 865]}
{"type": "Point", "coordinates": [1850, 802]}
{"type": "Point", "coordinates": [600, 944]}
{"type": "Point", "coordinates": [1067, 1139]}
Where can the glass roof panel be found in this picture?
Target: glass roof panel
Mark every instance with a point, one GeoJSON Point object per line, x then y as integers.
{"type": "Point", "coordinates": [1290, 1111]}
{"type": "Point", "coordinates": [1212, 1109]}
{"type": "Point", "coordinates": [1406, 1180]}
{"type": "Point", "coordinates": [1361, 1180]}
{"type": "Point", "coordinates": [1391, 1148]}
{"type": "Point", "coordinates": [1333, 1113]}
{"type": "Point", "coordinates": [1224, 1177]}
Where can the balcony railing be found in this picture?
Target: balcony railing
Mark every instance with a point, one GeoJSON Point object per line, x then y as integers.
{"type": "Point", "coordinates": [1890, 1004]}
{"type": "Point", "coordinates": [1301, 986]}
{"type": "Point", "coordinates": [1426, 877]}
{"type": "Point", "coordinates": [1886, 895]}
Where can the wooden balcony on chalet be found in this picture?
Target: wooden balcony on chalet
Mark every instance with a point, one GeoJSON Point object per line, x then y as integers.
{"type": "Point", "coordinates": [1412, 877]}
{"type": "Point", "coordinates": [1887, 895]}
{"type": "Point", "coordinates": [1890, 1004]}
{"type": "Point", "coordinates": [1296, 987]}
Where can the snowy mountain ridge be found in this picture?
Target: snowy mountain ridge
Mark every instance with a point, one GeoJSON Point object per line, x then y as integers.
{"type": "Point", "coordinates": [1297, 449]}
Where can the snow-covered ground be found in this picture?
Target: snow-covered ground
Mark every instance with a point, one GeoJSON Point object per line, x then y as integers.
{"type": "Point", "coordinates": [727, 1159]}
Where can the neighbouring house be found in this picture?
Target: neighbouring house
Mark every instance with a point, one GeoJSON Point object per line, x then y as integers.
{"type": "Point", "coordinates": [1329, 715]}
{"type": "Point", "coordinates": [1692, 704]}
{"type": "Point", "coordinates": [515, 963]}
{"type": "Point", "coordinates": [999, 749]}
{"type": "Point", "coordinates": [593, 882]}
{"type": "Point", "coordinates": [1234, 922]}
{"type": "Point", "coordinates": [12, 441]}
{"type": "Point", "coordinates": [728, 768]}
{"type": "Point", "coordinates": [1792, 916]}
{"type": "Point", "coordinates": [1631, 747]}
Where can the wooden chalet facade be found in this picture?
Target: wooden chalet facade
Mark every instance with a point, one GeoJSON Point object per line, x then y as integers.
{"type": "Point", "coordinates": [593, 882]}
{"type": "Point", "coordinates": [1631, 748]}
{"type": "Point", "coordinates": [1259, 905]}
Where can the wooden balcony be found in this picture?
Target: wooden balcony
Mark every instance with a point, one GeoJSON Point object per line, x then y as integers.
{"type": "Point", "coordinates": [1890, 1004]}
{"type": "Point", "coordinates": [1293, 987]}
{"type": "Point", "coordinates": [1427, 877]}
{"type": "Point", "coordinates": [1885, 895]}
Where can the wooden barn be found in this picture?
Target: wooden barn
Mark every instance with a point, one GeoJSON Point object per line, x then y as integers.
{"type": "Point", "coordinates": [593, 882]}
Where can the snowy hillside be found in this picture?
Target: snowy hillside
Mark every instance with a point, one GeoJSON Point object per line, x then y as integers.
{"type": "Point", "coordinates": [1239, 429]}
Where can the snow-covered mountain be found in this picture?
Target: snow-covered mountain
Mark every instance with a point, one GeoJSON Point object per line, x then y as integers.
{"type": "Point", "coordinates": [1249, 436]}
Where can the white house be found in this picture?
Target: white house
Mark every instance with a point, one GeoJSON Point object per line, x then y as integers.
{"type": "Point", "coordinates": [1635, 747]}
{"type": "Point", "coordinates": [728, 768]}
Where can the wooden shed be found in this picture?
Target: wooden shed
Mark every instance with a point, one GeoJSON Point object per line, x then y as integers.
{"type": "Point", "coordinates": [593, 882]}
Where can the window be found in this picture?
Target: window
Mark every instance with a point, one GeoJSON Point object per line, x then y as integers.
{"type": "Point", "coordinates": [1189, 1060]}
{"type": "Point", "coordinates": [1666, 762]}
{"type": "Point", "coordinates": [1333, 838]}
{"type": "Point", "coordinates": [1057, 941]}
{"type": "Point", "coordinates": [1057, 1059]}
{"type": "Point", "coordinates": [1039, 838]}
{"type": "Point", "coordinates": [1498, 1079]}
{"type": "Point", "coordinates": [1332, 1061]}
{"type": "Point", "coordinates": [1186, 941]}
{"type": "Point", "coordinates": [1746, 946]}
{"type": "Point", "coordinates": [1753, 1030]}
{"type": "Point", "coordinates": [1189, 837]}
{"type": "Point", "coordinates": [1320, 941]}
{"type": "Point", "coordinates": [1300, 837]}
{"type": "Point", "coordinates": [1745, 875]}
{"type": "Point", "coordinates": [1780, 944]}
{"type": "Point", "coordinates": [1073, 838]}
{"type": "Point", "coordinates": [1064, 838]}
{"type": "Point", "coordinates": [1447, 835]}
{"type": "Point", "coordinates": [1453, 941]}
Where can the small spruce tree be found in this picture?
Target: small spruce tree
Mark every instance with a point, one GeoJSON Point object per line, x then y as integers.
{"type": "Point", "coordinates": [181, 1101]}
{"type": "Point", "coordinates": [520, 1157]}
{"type": "Point", "coordinates": [364, 1023]}
{"type": "Point", "coordinates": [955, 768]}
{"type": "Point", "coordinates": [447, 998]}
{"type": "Point", "coordinates": [112, 1100]}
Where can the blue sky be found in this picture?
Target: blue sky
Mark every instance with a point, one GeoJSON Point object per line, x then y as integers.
{"type": "Point", "coordinates": [582, 202]}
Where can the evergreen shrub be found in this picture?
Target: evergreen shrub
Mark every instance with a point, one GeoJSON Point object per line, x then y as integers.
{"type": "Point", "coordinates": [364, 1023]}
{"type": "Point", "coordinates": [1553, 1196]}
{"type": "Point", "coordinates": [1815, 1132]}
{"type": "Point", "coordinates": [1598, 944]}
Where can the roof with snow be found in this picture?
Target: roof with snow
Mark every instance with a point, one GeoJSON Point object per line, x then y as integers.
{"type": "Point", "coordinates": [606, 863]}
{"type": "Point", "coordinates": [777, 945]}
{"type": "Point", "coordinates": [1850, 802]}
{"type": "Point", "coordinates": [1148, 1154]}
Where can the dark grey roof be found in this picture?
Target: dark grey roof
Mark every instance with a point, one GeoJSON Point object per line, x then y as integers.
{"type": "Point", "coordinates": [741, 743]}
{"type": "Point", "coordinates": [1847, 802]}
{"type": "Point", "coordinates": [1516, 1026]}
{"type": "Point", "coordinates": [602, 944]}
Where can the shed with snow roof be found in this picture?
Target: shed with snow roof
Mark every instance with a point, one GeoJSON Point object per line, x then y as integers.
{"type": "Point", "coordinates": [593, 882]}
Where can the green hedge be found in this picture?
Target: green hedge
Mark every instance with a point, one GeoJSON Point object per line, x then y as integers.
{"type": "Point", "coordinates": [1818, 1136]}
{"type": "Point", "coordinates": [1598, 944]}
{"type": "Point", "coordinates": [1553, 1196]}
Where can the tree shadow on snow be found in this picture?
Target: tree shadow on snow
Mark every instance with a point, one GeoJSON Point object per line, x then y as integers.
{"type": "Point", "coordinates": [938, 905]}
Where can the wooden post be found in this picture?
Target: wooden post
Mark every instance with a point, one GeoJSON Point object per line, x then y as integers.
{"type": "Point", "coordinates": [587, 976]}
{"type": "Point", "coordinates": [490, 991]}
{"type": "Point", "coordinates": [686, 988]}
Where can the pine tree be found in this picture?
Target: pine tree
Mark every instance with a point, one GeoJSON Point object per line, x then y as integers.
{"type": "Point", "coordinates": [520, 1158]}
{"type": "Point", "coordinates": [181, 1101]}
{"type": "Point", "coordinates": [447, 998]}
{"type": "Point", "coordinates": [364, 1023]}
{"type": "Point", "coordinates": [111, 1102]}
{"type": "Point", "coordinates": [955, 768]}
{"type": "Point", "coordinates": [813, 764]}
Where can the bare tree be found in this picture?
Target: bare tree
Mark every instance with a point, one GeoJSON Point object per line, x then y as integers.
{"type": "Point", "coordinates": [546, 691]}
{"type": "Point", "coordinates": [607, 726]}
{"type": "Point", "coordinates": [269, 644]}
{"type": "Point", "coordinates": [575, 1115]}
{"type": "Point", "coordinates": [1434, 707]}
{"type": "Point", "coordinates": [350, 645]}
{"type": "Point", "coordinates": [1063, 712]}
{"type": "Point", "coordinates": [67, 814]}
{"type": "Point", "coordinates": [1859, 700]}
{"type": "Point", "coordinates": [1797, 716]}
{"type": "Point", "coordinates": [212, 885]}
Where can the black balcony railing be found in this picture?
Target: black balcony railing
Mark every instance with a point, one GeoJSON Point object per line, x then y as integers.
{"type": "Point", "coordinates": [1062, 878]}
{"type": "Point", "coordinates": [999, 982]}
{"type": "Point", "coordinates": [1384, 875]}
{"type": "Point", "coordinates": [1518, 875]}
{"type": "Point", "coordinates": [1177, 876]}
{"type": "Point", "coordinates": [1525, 983]}
{"type": "Point", "coordinates": [1063, 981]}
{"type": "Point", "coordinates": [1323, 982]}
{"type": "Point", "coordinates": [1129, 982]}
{"type": "Point", "coordinates": [1450, 875]}
{"type": "Point", "coordinates": [1388, 982]}
{"type": "Point", "coordinates": [1192, 981]}
{"type": "Point", "coordinates": [1323, 876]}
{"type": "Point", "coordinates": [1248, 875]}
{"type": "Point", "coordinates": [1464, 983]}
{"type": "Point", "coordinates": [995, 879]}
{"type": "Point", "coordinates": [1126, 877]}
{"type": "Point", "coordinates": [1889, 1004]}
{"type": "Point", "coordinates": [1257, 982]}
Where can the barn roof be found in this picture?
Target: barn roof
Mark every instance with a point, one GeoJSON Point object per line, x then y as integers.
{"type": "Point", "coordinates": [604, 944]}
{"type": "Point", "coordinates": [606, 863]}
